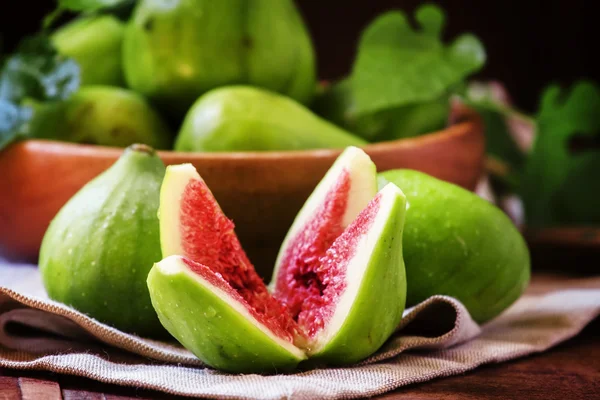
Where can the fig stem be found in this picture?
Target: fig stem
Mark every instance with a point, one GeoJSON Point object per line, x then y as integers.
{"type": "Point", "coordinates": [142, 148]}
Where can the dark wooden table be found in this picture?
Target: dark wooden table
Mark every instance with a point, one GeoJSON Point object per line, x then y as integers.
{"type": "Point", "coordinates": [568, 371]}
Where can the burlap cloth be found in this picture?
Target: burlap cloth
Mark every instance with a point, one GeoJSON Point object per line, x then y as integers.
{"type": "Point", "coordinates": [436, 338]}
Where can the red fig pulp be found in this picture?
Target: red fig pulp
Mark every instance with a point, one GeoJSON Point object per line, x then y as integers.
{"type": "Point", "coordinates": [210, 242]}
{"type": "Point", "coordinates": [313, 271]}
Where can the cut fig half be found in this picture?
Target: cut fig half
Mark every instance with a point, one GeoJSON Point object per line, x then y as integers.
{"type": "Point", "coordinates": [192, 225]}
{"type": "Point", "coordinates": [337, 298]}
{"type": "Point", "coordinates": [210, 318]}
{"type": "Point", "coordinates": [351, 300]}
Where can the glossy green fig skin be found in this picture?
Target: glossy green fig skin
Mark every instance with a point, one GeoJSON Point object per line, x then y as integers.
{"type": "Point", "coordinates": [95, 43]}
{"type": "Point", "coordinates": [377, 310]}
{"type": "Point", "coordinates": [103, 115]}
{"type": "Point", "coordinates": [460, 245]}
{"type": "Point", "coordinates": [97, 251]}
{"type": "Point", "coordinates": [210, 328]}
{"type": "Point", "coordinates": [243, 118]}
{"type": "Point", "coordinates": [175, 51]}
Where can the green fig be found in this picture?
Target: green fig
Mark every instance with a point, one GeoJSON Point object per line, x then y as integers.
{"type": "Point", "coordinates": [459, 244]}
{"type": "Point", "coordinates": [95, 43]}
{"type": "Point", "coordinates": [243, 118]}
{"type": "Point", "coordinates": [177, 50]}
{"type": "Point", "coordinates": [98, 249]}
{"type": "Point", "coordinates": [336, 104]}
{"type": "Point", "coordinates": [102, 115]}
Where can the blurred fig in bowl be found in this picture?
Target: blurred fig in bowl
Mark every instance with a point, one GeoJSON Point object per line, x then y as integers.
{"type": "Point", "coordinates": [245, 118]}
{"type": "Point", "coordinates": [95, 43]}
{"type": "Point", "coordinates": [102, 115]}
{"type": "Point", "coordinates": [175, 51]}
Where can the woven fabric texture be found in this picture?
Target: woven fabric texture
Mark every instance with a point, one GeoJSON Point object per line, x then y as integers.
{"type": "Point", "coordinates": [436, 338]}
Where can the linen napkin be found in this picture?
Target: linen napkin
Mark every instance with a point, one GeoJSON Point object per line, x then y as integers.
{"type": "Point", "coordinates": [435, 338]}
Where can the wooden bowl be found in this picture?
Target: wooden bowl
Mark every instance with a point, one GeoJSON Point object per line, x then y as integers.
{"type": "Point", "coordinates": [261, 192]}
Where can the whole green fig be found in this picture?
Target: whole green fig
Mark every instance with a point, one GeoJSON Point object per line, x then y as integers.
{"type": "Point", "coordinates": [174, 51]}
{"type": "Point", "coordinates": [102, 115]}
{"type": "Point", "coordinates": [97, 251]}
{"type": "Point", "coordinates": [244, 118]}
{"type": "Point", "coordinates": [95, 43]}
{"type": "Point", "coordinates": [460, 245]}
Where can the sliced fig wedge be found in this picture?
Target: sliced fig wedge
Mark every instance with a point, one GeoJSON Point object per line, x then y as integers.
{"type": "Point", "coordinates": [192, 225]}
{"type": "Point", "coordinates": [339, 288]}
{"type": "Point", "coordinates": [212, 320]}
{"type": "Point", "coordinates": [351, 300]}
{"type": "Point", "coordinates": [340, 196]}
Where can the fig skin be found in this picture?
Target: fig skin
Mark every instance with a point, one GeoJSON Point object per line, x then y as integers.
{"type": "Point", "coordinates": [460, 245]}
{"type": "Point", "coordinates": [96, 254]}
{"type": "Point", "coordinates": [212, 329]}
{"type": "Point", "coordinates": [103, 115]}
{"type": "Point", "coordinates": [243, 118]}
{"type": "Point", "coordinates": [175, 51]}
{"type": "Point", "coordinates": [95, 43]}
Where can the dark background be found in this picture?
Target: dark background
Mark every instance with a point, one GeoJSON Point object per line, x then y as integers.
{"type": "Point", "coordinates": [530, 43]}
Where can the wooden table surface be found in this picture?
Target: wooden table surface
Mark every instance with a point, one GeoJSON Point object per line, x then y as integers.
{"type": "Point", "coordinates": [569, 371]}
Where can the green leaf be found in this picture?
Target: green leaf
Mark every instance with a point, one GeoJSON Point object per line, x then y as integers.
{"type": "Point", "coordinates": [410, 120]}
{"type": "Point", "coordinates": [398, 65]}
{"type": "Point", "coordinates": [337, 105]}
{"type": "Point", "coordinates": [12, 118]}
{"type": "Point", "coordinates": [561, 187]}
{"type": "Point", "coordinates": [34, 73]}
{"type": "Point", "coordinates": [90, 5]}
{"type": "Point", "coordinates": [36, 70]}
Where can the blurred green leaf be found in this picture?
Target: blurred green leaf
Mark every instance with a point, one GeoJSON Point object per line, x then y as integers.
{"type": "Point", "coordinates": [561, 186]}
{"type": "Point", "coordinates": [90, 5]}
{"type": "Point", "coordinates": [337, 105]}
{"type": "Point", "coordinates": [12, 118]}
{"type": "Point", "coordinates": [398, 65]}
{"type": "Point", "coordinates": [35, 72]}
